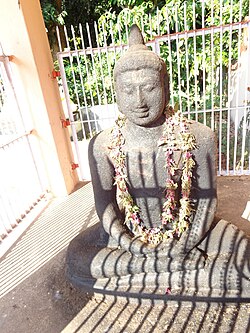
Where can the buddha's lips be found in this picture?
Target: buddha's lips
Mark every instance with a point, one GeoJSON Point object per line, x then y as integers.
{"type": "Point", "coordinates": [141, 112]}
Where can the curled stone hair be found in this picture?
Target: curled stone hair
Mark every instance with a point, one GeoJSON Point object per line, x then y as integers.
{"type": "Point", "coordinates": [138, 55]}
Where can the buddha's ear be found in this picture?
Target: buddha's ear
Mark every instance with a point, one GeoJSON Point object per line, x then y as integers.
{"type": "Point", "coordinates": [166, 87]}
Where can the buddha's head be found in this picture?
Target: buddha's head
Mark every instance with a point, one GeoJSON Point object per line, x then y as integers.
{"type": "Point", "coordinates": [141, 82]}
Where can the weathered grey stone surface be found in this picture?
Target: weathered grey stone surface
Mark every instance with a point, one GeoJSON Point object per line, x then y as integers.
{"type": "Point", "coordinates": [225, 273]}
{"type": "Point", "coordinates": [108, 252]}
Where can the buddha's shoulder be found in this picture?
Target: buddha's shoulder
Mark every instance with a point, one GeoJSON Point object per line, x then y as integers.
{"type": "Point", "coordinates": [101, 141]}
{"type": "Point", "coordinates": [201, 131]}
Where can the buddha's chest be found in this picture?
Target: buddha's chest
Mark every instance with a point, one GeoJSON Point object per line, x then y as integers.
{"type": "Point", "coordinates": [147, 169]}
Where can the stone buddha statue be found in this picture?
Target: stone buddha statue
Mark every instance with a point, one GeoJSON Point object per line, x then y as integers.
{"type": "Point", "coordinates": [154, 180]}
{"type": "Point", "coordinates": [142, 90]}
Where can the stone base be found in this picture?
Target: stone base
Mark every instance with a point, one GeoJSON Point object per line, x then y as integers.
{"type": "Point", "coordinates": [224, 273]}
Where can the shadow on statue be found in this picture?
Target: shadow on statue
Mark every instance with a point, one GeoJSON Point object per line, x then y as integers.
{"type": "Point", "coordinates": [221, 268]}
{"type": "Point", "coordinates": [158, 230]}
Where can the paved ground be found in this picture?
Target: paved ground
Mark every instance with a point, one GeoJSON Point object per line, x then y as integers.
{"type": "Point", "coordinates": [35, 296]}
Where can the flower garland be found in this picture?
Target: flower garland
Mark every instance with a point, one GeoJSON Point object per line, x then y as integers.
{"type": "Point", "coordinates": [178, 216]}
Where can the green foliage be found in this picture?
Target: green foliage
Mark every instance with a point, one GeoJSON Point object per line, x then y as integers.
{"type": "Point", "coordinates": [199, 66]}
{"type": "Point", "coordinates": [191, 71]}
{"type": "Point", "coordinates": [70, 13]}
{"type": "Point", "coordinates": [133, 3]}
{"type": "Point", "coordinates": [199, 79]}
{"type": "Point", "coordinates": [51, 14]}
{"type": "Point", "coordinates": [90, 80]}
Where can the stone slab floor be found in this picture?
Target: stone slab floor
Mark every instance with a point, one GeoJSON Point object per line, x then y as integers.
{"type": "Point", "coordinates": [35, 296]}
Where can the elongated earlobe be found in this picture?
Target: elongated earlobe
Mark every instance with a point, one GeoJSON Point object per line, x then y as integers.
{"type": "Point", "coordinates": [166, 87]}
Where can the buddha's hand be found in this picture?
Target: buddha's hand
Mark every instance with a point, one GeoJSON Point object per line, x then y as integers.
{"type": "Point", "coordinates": [139, 247]}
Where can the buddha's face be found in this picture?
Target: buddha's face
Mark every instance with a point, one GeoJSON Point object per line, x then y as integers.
{"type": "Point", "coordinates": [141, 95]}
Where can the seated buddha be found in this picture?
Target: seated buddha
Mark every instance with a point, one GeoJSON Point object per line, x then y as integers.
{"type": "Point", "coordinates": [153, 176]}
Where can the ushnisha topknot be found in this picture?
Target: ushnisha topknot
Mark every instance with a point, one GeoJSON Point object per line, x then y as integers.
{"type": "Point", "coordinates": [135, 37]}
{"type": "Point", "coordinates": [138, 56]}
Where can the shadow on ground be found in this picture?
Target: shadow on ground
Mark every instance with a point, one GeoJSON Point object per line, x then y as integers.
{"type": "Point", "coordinates": [45, 302]}
{"type": "Point", "coordinates": [35, 296]}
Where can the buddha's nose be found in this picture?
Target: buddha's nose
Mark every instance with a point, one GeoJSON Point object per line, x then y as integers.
{"type": "Point", "coordinates": [140, 96]}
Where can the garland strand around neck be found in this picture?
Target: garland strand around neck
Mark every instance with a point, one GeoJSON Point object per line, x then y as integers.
{"type": "Point", "coordinates": [175, 218]}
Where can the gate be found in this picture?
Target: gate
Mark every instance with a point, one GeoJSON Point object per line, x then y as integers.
{"type": "Point", "coordinates": [23, 190]}
{"type": "Point", "coordinates": [208, 65]}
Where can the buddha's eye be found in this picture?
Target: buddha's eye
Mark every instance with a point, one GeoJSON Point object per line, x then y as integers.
{"type": "Point", "coordinates": [149, 87]}
{"type": "Point", "coordinates": [128, 90]}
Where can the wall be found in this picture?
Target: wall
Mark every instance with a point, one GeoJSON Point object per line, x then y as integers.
{"type": "Point", "coordinates": [23, 35]}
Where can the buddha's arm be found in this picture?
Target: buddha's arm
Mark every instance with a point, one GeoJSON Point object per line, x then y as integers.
{"type": "Point", "coordinates": [204, 190]}
{"type": "Point", "coordinates": [102, 174]}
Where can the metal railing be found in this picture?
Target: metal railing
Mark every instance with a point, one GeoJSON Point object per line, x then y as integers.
{"type": "Point", "coordinates": [22, 189]}
{"type": "Point", "coordinates": [209, 80]}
